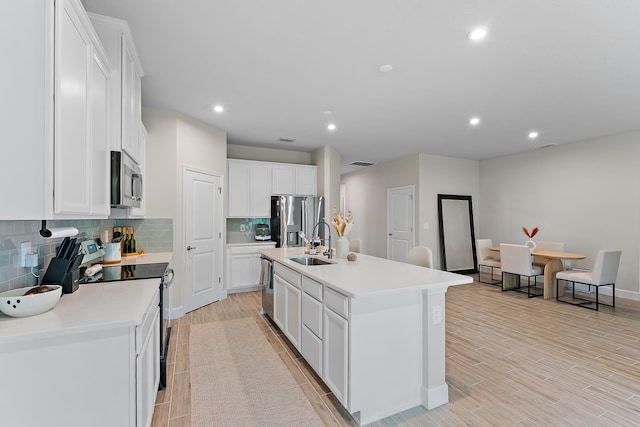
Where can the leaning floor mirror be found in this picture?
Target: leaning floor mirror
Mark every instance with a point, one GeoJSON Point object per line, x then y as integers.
{"type": "Point", "coordinates": [457, 236]}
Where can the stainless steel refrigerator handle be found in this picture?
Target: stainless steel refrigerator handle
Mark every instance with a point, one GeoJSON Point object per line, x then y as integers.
{"type": "Point", "coordinates": [304, 217]}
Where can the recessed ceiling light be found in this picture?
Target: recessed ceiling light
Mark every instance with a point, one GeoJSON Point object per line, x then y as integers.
{"type": "Point", "coordinates": [477, 33]}
{"type": "Point", "coordinates": [533, 135]}
{"type": "Point", "coordinates": [218, 108]}
{"type": "Point", "coordinates": [474, 121]}
{"type": "Point", "coordinates": [385, 68]}
{"type": "Point", "coordinates": [331, 126]}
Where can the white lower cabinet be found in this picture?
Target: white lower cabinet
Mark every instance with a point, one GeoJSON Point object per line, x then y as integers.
{"type": "Point", "coordinates": [311, 332]}
{"type": "Point", "coordinates": [287, 302]}
{"type": "Point", "coordinates": [336, 354]}
{"type": "Point", "coordinates": [315, 318]}
{"type": "Point", "coordinates": [279, 302]}
{"type": "Point", "coordinates": [292, 330]}
{"type": "Point", "coordinates": [244, 266]}
{"type": "Point", "coordinates": [102, 375]}
{"type": "Point", "coordinates": [148, 370]}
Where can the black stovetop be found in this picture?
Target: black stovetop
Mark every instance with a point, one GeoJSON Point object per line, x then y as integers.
{"type": "Point", "coordinates": [114, 273]}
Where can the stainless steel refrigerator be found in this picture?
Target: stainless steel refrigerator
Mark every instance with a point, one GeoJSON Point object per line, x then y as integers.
{"type": "Point", "coordinates": [292, 214]}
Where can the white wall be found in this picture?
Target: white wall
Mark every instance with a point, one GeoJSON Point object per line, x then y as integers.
{"type": "Point", "coordinates": [585, 194]}
{"type": "Point", "coordinates": [268, 154]}
{"type": "Point", "coordinates": [176, 141]}
{"type": "Point", "coordinates": [443, 175]}
{"type": "Point", "coordinates": [366, 197]}
{"type": "Point", "coordinates": [328, 161]}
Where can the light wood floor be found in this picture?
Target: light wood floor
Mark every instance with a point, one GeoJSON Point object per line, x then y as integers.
{"type": "Point", "coordinates": [510, 361]}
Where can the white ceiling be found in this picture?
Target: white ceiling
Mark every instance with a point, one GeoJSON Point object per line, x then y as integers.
{"type": "Point", "coordinates": [569, 69]}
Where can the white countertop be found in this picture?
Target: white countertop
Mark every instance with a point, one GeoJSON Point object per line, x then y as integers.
{"type": "Point", "coordinates": [368, 275]}
{"type": "Point", "coordinates": [91, 307]}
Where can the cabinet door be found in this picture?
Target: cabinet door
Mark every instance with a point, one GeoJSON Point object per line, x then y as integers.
{"type": "Point", "coordinates": [238, 201]}
{"type": "Point", "coordinates": [284, 177]}
{"type": "Point", "coordinates": [336, 354]}
{"type": "Point", "coordinates": [311, 349]}
{"type": "Point", "coordinates": [306, 180]}
{"type": "Point", "coordinates": [259, 190]}
{"type": "Point", "coordinates": [72, 156]}
{"type": "Point", "coordinates": [245, 270]}
{"type": "Point", "coordinates": [99, 138]}
{"type": "Point", "coordinates": [130, 103]}
{"type": "Point", "coordinates": [148, 373]}
{"type": "Point", "coordinates": [292, 330]}
{"type": "Point", "coordinates": [279, 301]}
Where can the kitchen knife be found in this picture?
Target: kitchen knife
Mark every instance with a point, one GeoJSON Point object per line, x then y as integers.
{"type": "Point", "coordinates": [76, 262]}
{"type": "Point", "coordinates": [74, 250]}
{"type": "Point", "coordinates": [62, 248]}
{"type": "Point", "coordinates": [67, 252]}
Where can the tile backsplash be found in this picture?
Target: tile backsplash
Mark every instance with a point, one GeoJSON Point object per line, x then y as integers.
{"type": "Point", "coordinates": [152, 235]}
{"type": "Point", "coordinates": [242, 230]}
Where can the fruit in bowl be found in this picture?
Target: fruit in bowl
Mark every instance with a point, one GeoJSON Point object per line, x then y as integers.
{"type": "Point", "coordinates": [30, 301]}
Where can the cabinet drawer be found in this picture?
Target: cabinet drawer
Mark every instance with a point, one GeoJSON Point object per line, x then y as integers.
{"type": "Point", "coordinates": [287, 274]}
{"type": "Point", "coordinates": [312, 314]}
{"type": "Point", "coordinates": [312, 287]}
{"type": "Point", "coordinates": [250, 249]}
{"type": "Point", "coordinates": [337, 302]}
{"type": "Point", "coordinates": [311, 349]}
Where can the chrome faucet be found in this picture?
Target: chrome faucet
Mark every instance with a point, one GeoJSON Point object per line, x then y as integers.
{"type": "Point", "coordinates": [328, 252]}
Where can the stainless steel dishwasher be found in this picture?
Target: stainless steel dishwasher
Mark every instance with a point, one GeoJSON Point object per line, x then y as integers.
{"type": "Point", "coordinates": [266, 279]}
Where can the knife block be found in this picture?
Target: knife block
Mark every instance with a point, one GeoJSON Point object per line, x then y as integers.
{"type": "Point", "coordinates": [58, 274]}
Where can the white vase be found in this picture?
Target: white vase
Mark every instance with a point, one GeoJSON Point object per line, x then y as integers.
{"type": "Point", "coordinates": [342, 247]}
{"type": "Point", "coordinates": [531, 244]}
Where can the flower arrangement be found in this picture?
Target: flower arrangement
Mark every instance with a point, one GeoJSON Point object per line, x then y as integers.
{"type": "Point", "coordinates": [341, 224]}
{"type": "Point", "coordinates": [530, 234]}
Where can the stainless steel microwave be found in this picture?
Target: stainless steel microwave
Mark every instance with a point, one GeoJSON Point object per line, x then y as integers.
{"type": "Point", "coordinates": [126, 181]}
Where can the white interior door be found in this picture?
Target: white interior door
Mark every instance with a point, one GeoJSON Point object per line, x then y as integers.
{"type": "Point", "coordinates": [203, 239]}
{"type": "Point", "coordinates": [399, 222]}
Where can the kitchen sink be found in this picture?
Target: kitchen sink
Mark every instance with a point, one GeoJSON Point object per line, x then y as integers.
{"type": "Point", "coordinates": [309, 260]}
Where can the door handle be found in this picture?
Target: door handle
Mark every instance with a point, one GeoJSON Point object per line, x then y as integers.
{"type": "Point", "coordinates": [189, 248]}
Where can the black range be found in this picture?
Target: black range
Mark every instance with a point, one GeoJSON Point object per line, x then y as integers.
{"type": "Point", "coordinates": [114, 273]}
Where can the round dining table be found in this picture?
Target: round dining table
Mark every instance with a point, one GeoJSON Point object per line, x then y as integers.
{"type": "Point", "coordinates": [551, 267]}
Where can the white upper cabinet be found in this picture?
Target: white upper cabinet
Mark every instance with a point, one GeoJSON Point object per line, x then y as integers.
{"type": "Point", "coordinates": [297, 180]}
{"type": "Point", "coordinates": [99, 125]}
{"type": "Point", "coordinates": [55, 106]}
{"type": "Point", "coordinates": [126, 88]}
{"type": "Point", "coordinates": [73, 60]}
{"type": "Point", "coordinates": [141, 211]}
{"type": "Point", "coordinates": [306, 180]}
{"type": "Point", "coordinates": [131, 99]}
{"type": "Point", "coordinates": [249, 189]}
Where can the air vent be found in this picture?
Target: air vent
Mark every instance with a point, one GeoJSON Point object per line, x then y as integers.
{"type": "Point", "coordinates": [285, 139]}
{"type": "Point", "coordinates": [546, 145]}
{"type": "Point", "coordinates": [361, 164]}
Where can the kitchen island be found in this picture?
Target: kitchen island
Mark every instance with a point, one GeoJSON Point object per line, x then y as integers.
{"type": "Point", "coordinates": [373, 329]}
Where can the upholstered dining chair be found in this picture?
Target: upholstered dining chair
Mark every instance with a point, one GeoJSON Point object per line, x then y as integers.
{"type": "Point", "coordinates": [354, 245]}
{"type": "Point", "coordinates": [487, 259]}
{"type": "Point", "coordinates": [604, 273]}
{"type": "Point", "coordinates": [516, 259]}
{"type": "Point", "coordinates": [420, 255]}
